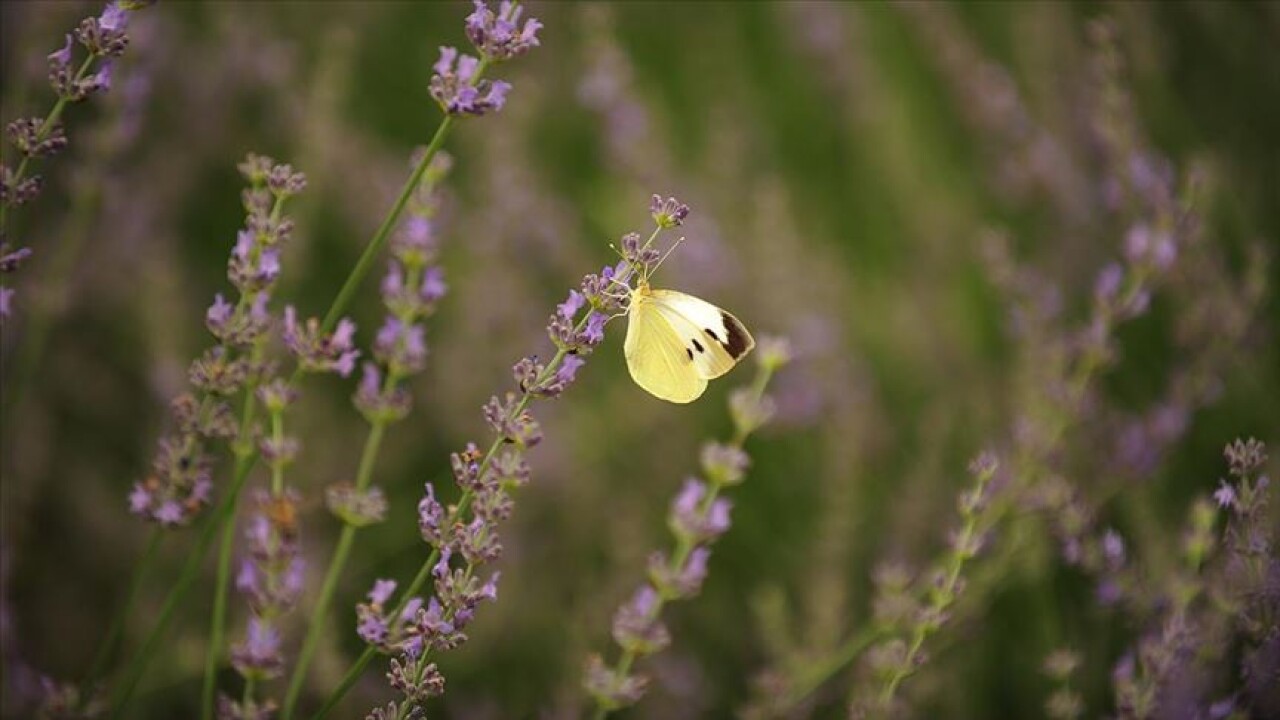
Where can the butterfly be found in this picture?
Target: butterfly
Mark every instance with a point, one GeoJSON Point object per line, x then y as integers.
{"type": "Point", "coordinates": [677, 342]}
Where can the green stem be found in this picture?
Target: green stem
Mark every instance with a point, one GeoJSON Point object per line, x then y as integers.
{"type": "Point", "coordinates": [244, 452]}
{"type": "Point", "coordinates": [374, 248]}
{"type": "Point", "coordinates": [816, 676]}
{"type": "Point", "coordinates": [248, 694]}
{"type": "Point", "coordinates": [140, 572]}
{"type": "Point", "coordinates": [217, 626]}
{"type": "Point", "coordinates": [336, 565]}
{"type": "Point", "coordinates": [133, 673]}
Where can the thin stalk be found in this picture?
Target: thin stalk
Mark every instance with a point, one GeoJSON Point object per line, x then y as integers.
{"type": "Point", "coordinates": [213, 654]}
{"type": "Point", "coordinates": [367, 458]}
{"type": "Point", "coordinates": [815, 677]}
{"type": "Point", "coordinates": [42, 131]}
{"type": "Point", "coordinates": [112, 638]}
{"type": "Point", "coordinates": [374, 248]}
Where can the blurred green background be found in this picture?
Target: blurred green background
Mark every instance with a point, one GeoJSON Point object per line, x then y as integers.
{"type": "Point", "coordinates": [843, 163]}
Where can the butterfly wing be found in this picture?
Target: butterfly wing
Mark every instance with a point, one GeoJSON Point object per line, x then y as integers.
{"type": "Point", "coordinates": [656, 354]}
{"type": "Point", "coordinates": [711, 338]}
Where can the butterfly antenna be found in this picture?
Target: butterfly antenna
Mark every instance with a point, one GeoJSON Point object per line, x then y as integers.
{"type": "Point", "coordinates": [665, 255]}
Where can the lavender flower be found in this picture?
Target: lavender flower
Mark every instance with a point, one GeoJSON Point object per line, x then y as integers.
{"type": "Point", "coordinates": [499, 36]}
{"type": "Point", "coordinates": [258, 656]}
{"type": "Point", "coordinates": [457, 87]}
{"type": "Point", "coordinates": [317, 351]}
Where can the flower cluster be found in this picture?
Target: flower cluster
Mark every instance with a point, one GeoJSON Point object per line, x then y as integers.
{"type": "Point", "coordinates": [319, 351]}
{"type": "Point", "coordinates": [181, 480]}
{"type": "Point", "coordinates": [457, 84]}
{"type": "Point", "coordinates": [698, 516]}
{"type": "Point", "coordinates": [103, 38]}
{"type": "Point", "coordinates": [499, 36]}
{"type": "Point", "coordinates": [270, 578]}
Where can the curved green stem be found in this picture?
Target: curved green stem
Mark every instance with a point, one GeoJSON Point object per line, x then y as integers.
{"type": "Point", "coordinates": [814, 678]}
{"type": "Point", "coordinates": [371, 251]}
{"type": "Point", "coordinates": [112, 638]}
{"type": "Point", "coordinates": [336, 565]}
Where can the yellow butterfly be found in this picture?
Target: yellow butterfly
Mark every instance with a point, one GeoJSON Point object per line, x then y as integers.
{"type": "Point", "coordinates": [677, 342]}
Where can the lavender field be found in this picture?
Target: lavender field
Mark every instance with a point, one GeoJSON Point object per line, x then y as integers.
{"type": "Point", "coordinates": [354, 358]}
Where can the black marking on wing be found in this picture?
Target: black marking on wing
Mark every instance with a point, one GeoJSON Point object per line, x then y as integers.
{"type": "Point", "coordinates": [713, 335]}
{"type": "Point", "coordinates": [689, 353]}
{"type": "Point", "coordinates": [697, 346]}
{"type": "Point", "coordinates": [736, 344]}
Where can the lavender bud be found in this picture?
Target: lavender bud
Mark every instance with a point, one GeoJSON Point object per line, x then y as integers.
{"type": "Point", "coordinates": [25, 134]}
{"type": "Point", "coordinates": [610, 688]}
{"type": "Point", "coordinates": [1245, 457]}
{"type": "Point", "coordinates": [452, 86]}
{"type": "Point", "coordinates": [380, 405]}
{"type": "Point", "coordinates": [724, 464]}
{"type": "Point", "coordinates": [668, 213]}
{"type": "Point", "coordinates": [636, 627]}
{"type": "Point", "coordinates": [748, 411]}
{"type": "Point", "coordinates": [499, 36]}
{"type": "Point", "coordinates": [258, 655]}
{"type": "Point", "coordinates": [317, 352]}
{"type": "Point", "coordinates": [355, 507]}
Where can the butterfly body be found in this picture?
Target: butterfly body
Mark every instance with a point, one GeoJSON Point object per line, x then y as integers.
{"type": "Point", "coordinates": [676, 342]}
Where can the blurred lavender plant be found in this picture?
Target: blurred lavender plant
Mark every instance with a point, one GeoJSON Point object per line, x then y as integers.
{"type": "Point", "coordinates": [911, 616]}
{"type": "Point", "coordinates": [698, 516]}
{"type": "Point", "coordinates": [1064, 703]}
{"type": "Point", "coordinates": [1219, 609]}
{"type": "Point", "coordinates": [104, 38]}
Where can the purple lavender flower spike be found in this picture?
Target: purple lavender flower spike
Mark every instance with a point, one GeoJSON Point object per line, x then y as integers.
{"type": "Point", "coordinates": [258, 656]}
{"type": "Point", "coordinates": [499, 36]}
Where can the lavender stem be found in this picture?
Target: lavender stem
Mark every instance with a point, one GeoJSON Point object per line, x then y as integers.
{"type": "Point", "coordinates": [112, 638]}
{"type": "Point", "coordinates": [48, 123]}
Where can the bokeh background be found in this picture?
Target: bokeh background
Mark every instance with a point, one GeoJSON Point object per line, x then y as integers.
{"type": "Point", "coordinates": [847, 166]}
